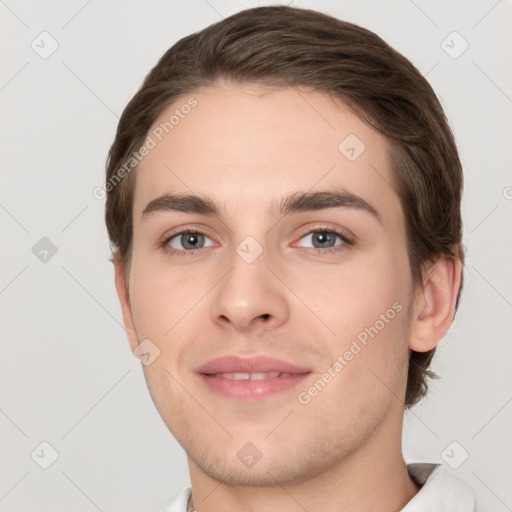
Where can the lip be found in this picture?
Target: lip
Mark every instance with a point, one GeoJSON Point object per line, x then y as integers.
{"type": "Point", "coordinates": [250, 390]}
{"type": "Point", "coordinates": [254, 364]}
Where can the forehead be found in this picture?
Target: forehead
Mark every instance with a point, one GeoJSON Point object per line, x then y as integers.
{"type": "Point", "coordinates": [245, 146]}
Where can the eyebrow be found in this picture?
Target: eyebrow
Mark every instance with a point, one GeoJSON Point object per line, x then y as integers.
{"type": "Point", "coordinates": [296, 202]}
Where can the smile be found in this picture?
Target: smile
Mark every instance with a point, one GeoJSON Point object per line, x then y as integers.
{"type": "Point", "coordinates": [252, 376]}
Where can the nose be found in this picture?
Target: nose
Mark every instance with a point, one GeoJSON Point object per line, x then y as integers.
{"type": "Point", "coordinates": [250, 296]}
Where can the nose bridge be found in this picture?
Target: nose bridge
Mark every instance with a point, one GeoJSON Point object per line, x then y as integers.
{"type": "Point", "coordinates": [249, 291]}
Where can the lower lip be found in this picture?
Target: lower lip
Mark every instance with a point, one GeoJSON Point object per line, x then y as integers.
{"type": "Point", "coordinates": [251, 389]}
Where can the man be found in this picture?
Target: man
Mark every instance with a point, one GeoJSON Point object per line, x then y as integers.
{"type": "Point", "coordinates": [284, 211]}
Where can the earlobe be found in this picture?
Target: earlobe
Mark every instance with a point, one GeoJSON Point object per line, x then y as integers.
{"type": "Point", "coordinates": [124, 299]}
{"type": "Point", "coordinates": [434, 305]}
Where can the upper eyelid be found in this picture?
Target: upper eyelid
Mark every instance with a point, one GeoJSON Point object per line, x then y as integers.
{"type": "Point", "coordinates": [203, 231]}
{"type": "Point", "coordinates": [183, 230]}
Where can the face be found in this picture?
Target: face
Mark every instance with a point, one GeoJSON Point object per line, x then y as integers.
{"type": "Point", "coordinates": [320, 283]}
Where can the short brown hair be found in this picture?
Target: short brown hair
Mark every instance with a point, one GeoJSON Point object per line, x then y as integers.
{"type": "Point", "coordinates": [288, 47]}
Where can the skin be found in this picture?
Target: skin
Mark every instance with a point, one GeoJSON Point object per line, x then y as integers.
{"type": "Point", "coordinates": [247, 147]}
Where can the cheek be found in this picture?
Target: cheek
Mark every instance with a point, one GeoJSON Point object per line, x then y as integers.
{"type": "Point", "coordinates": [162, 296]}
{"type": "Point", "coordinates": [351, 297]}
{"type": "Point", "coordinates": [365, 304]}
{"type": "Point", "coordinates": [375, 325]}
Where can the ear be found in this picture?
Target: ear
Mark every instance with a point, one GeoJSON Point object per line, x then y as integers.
{"type": "Point", "coordinates": [434, 304]}
{"type": "Point", "coordinates": [124, 299]}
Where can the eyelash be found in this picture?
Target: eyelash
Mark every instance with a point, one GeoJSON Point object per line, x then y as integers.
{"type": "Point", "coordinates": [320, 229]}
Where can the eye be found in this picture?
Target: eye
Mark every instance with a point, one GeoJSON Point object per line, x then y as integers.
{"type": "Point", "coordinates": [325, 240]}
{"type": "Point", "coordinates": [321, 240]}
{"type": "Point", "coordinates": [187, 241]}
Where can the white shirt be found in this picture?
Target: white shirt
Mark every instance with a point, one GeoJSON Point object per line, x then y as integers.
{"type": "Point", "coordinates": [440, 492]}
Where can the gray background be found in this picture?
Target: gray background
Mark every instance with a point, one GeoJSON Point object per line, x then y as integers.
{"type": "Point", "coordinates": [67, 375]}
